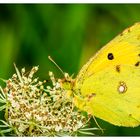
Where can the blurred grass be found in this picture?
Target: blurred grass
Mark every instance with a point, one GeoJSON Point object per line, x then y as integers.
{"type": "Point", "coordinates": [69, 33]}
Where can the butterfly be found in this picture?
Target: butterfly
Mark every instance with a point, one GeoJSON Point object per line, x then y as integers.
{"type": "Point", "coordinates": [108, 85]}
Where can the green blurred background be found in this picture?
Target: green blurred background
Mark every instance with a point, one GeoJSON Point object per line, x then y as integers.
{"type": "Point", "coordinates": [69, 33]}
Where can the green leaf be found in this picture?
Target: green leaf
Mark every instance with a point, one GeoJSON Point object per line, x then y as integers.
{"type": "Point", "coordinates": [86, 133]}
{"type": "Point", "coordinates": [2, 101]}
{"type": "Point", "coordinates": [3, 126]}
{"type": "Point", "coordinates": [2, 93]}
{"type": "Point", "coordinates": [5, 123]}
{"type": "Point", "coordinates": [2, 107]}
{"type": "Point", "coordinates": [6, 130]}
{"type": "Point", "coordinates": [18, 73]}
{"type": "Point", "coordinates": [89, 129]}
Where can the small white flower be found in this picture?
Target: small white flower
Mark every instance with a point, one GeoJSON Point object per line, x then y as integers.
{"type": "Point", "coordinates": [57, 86]}
{"type": "Point", "coordinates": [48, 87]}
{"type": "Point", "coordinates": [35, 80]}
{"type": "Point", "coordinates": [66, 75]}
{"type": "Point", "coordinates": [36, 68]}
{"type": "Point", "coordinates": [22, 128]}
{"type": "Point", "coordinates": [40, 83]}
{"type": "Point", "coordinates": [58, 128]}
{"type": "Point", "coordinates": [23, 70]}
{"type": "Point", "coordinates": [38, 117]}
{"type": "Point", "coordinates": [14, 76]}
{"type": "Point", "coordinates": [50, 73]}
{"type": "Point", "coordinates": [29, 80]}
{"type": "Point", "coordinates": [15, 104]}
{"type": "Point", "coordinates": [28, 115]}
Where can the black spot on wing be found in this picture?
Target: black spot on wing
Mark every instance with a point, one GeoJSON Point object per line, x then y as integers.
{"type": "Point", "coordinates": [137, 64]}
{"type": "Point", "coordinates": [128, 30]}
{"type": "Point", "coordinates": [138, 106]}
{"type": "Point", "coordinates": [138, 37]}
{"type": "Point", "coordinates": [118, 68]}
{"type": "Point", "coordinates": [110, 56]}
{"type": "Point", "coordinates": [121, 34]}
{"type": "Point", "coordinates": [90, 96]}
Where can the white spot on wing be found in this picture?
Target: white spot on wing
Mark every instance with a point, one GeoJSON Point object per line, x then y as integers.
{"type": "Point", "coordinates": [122, 87]}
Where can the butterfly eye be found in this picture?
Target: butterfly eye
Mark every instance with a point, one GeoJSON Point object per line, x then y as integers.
{"type": "Point", "coordinates": [110, 56]}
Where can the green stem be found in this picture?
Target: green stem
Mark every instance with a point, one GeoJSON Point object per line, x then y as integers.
{"type": "Point", "coordinates": [31, 127]}
{"type": "Point", "coordinates": [6, 110]}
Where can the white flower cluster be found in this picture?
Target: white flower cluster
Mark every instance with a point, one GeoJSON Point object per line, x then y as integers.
{"type": "Point", "coordinates": [33, 110]}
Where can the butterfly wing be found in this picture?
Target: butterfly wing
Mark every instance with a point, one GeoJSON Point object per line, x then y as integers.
{"type": "Point", "coordinates": [115, 66]}
{"type": "Point", "coordinates": [124, 49]}
{"type": "Point", "coordinates": [113, 96]}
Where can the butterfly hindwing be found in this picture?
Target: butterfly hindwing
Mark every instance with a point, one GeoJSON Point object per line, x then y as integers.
{"type": "Point", "coordinates": [116, 95]}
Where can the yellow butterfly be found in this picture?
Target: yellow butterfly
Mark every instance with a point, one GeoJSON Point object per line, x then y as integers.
{"type": "Point", "coordinates": [108, 86]}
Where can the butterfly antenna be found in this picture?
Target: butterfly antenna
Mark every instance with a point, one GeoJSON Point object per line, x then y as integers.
{"type": "Point", "coordinates": [98, 125]}
{"type": "Point", "coordinates": [49, 57]}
